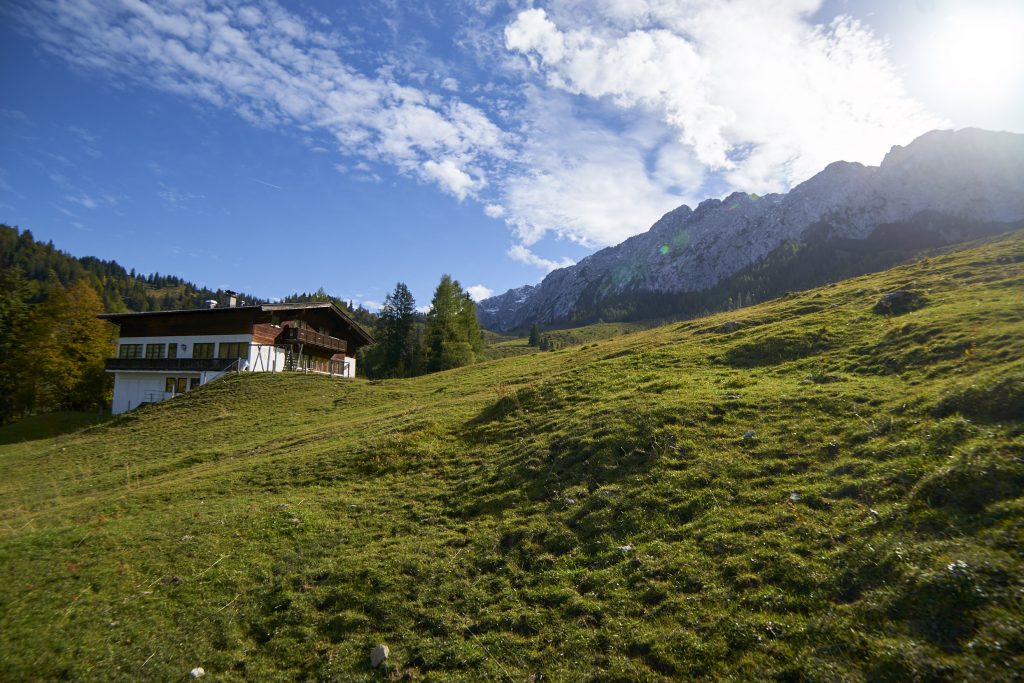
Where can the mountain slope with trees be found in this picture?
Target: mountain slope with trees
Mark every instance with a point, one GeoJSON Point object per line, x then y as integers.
{"type": "Point", "coordinates": [944, 187]}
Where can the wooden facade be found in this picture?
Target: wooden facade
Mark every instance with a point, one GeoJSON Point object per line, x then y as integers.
{"type": "Point", "coordinates": [320, 328]}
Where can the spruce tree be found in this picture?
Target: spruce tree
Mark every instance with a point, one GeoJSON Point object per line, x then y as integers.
{"type": "Point", "coordinates": [396, 334]}
{"type": "Point", "coordinates": [452, 335]}
{"type": "Point", "coordinates": [534, 335]}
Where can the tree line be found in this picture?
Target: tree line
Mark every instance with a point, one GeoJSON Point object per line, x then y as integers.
{"type": "Point", "coordinates": [410, 343]}
{"type": "Point", "coordinates": [53, 350]}
{"type": "Point", "coordinates": [53, 347]}
{"type": "Point", "coordinates": [45, 267]}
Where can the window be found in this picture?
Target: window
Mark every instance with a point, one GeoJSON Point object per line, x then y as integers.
{"type": "Point", "coordinates": [155, 350]}
{"type": "Point", "coordinates": [234, 350]}
{"type": "Point", "coordinates": [130, 351]}
{"type": "Point", "coordinates": [172, 350]}
{"type": "Point", "coordinates": [202, 350]}
{"type": "Point", "coordinates": [193, 383]}
{"type": "Point", "coordinates": [179, 385]}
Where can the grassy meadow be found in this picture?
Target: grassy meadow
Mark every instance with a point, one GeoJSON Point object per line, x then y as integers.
{"type": "Point", "coordinates": [505, 346]}
{"type": "Point", "coordinates": [806, 489]}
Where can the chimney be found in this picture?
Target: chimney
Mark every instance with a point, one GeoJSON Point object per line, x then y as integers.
{"type": "Point", "coordinates": [232, 298]}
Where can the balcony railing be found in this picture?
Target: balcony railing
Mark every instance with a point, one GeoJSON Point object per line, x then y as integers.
{"type": "Point", "coordinates": [171, 364]}
{"type": "Point", "coordinates": [298, 335]}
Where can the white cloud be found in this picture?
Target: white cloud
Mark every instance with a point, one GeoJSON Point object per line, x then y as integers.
{"type": "Point", "coordinates": [269, 67]}
{"type": "Point", "coordinates": [592, 185]}
{"type": "Point", "coordinates": [601, 116]}
{"type": "Point", "coordinates": [86, 135]}
{"type": "Point", "coordinates": [15, 114]}
{"type": "Point", "coordinates": [450, 177]}
{"type": "Point", "coordinates": [83, 200]}
{"type": "Point", "coordinates": [752, 89]}
{"type": "Point", "coordinates": [175, 198]}
{"type": "Point", "coordinates": [518, 252]}
{"type": "Point", "coordinates": [479, 292]}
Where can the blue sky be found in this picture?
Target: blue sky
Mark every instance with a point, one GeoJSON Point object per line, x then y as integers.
{"type": "Point", "coordinates": [277, 148]}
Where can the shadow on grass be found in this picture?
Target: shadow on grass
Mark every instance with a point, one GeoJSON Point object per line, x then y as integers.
{"type": "Point", "coordinates": [49, 425]}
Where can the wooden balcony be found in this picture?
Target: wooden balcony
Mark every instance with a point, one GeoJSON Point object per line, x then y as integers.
{"type": "Point", "coordinates": [171, 364]}
{"type": "Point", "coordinates": [297, 335]}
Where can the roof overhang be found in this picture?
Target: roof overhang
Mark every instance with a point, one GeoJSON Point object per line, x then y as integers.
{"type": "Point", "coordinates": [327, 306]}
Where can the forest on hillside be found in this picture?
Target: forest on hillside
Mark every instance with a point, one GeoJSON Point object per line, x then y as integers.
{"type": "Point", "coordinates": [53, 347]}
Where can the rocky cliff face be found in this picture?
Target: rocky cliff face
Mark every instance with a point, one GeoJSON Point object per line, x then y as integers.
{"type": "Point", "coordinates": [968, 175]}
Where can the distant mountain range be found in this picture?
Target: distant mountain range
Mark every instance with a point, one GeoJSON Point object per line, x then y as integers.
{"type": "Point", "coordinates": [849, 219]}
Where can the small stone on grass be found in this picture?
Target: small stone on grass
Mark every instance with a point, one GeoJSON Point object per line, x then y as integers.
{"type": "Point", "coordinates": [378, 655]}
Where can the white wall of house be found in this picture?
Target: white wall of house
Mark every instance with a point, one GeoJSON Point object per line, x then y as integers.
{"type": "Point", "coordinates": [132, 388]}
{"type": "Point", "coordinates": [266, 358]}
{"type": "Point", "coordinates": [189, 341]}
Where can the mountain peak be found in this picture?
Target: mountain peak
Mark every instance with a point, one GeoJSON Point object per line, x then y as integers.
{"type": "Point", "coordinates": [944, 186]}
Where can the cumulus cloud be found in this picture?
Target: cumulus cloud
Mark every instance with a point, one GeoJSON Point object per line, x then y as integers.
{"type": "Point", "coordinates": [754, 90]}
{"type": "Point", "coordinates": [479, 292]}
{"type": "Point", "coordinates": [601, 116]}
{"type": "Point", "coordinates": [589, 184]}
{"type": "Point", "coordinates": [450, 177]}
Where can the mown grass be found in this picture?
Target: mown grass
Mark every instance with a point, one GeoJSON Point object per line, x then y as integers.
{"type": "Point", "coordinates": [802, 490]}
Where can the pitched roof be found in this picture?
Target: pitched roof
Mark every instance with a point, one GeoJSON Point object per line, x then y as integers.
{"type": "Point", "coordinates": [116, 318]}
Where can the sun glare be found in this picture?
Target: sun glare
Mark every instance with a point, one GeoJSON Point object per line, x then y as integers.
{"type": "Point", "coordinates": [972, 57]}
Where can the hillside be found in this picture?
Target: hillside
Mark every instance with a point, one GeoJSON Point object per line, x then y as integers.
{"type": "Point", "coordinates": [44, 266]}
{"type": "Point", "coordinates": [815, 488]}
{"type": "Point", "coordinates": [504, 346]}
{"type": "Point", "coordinates": [943, 188]}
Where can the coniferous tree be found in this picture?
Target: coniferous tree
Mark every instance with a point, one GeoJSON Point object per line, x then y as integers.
{"type": "Point", "coordinates": [452, 334]}
{"type": "Point", "coordinates": [396, 334]}
{"type": "Point", "coordinates": [14, 312]}
{"type": "Point", "coordinates": [469, 325]}
{"type": "Point", "coordinates": [534, 339]}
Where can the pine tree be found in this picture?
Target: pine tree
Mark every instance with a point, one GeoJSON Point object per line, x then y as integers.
{"type": "Point", "coordinates": [452, 335]}
{"type": "Point", "coordinates": [395, 336]}
{"type": "Point", "coordinates": [534, 335]}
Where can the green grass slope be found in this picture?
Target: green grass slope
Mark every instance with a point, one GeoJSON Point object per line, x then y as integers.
{"type": "Point", "coordinates": [49, 424]}
{"type": "Point", "coordinates": [505, 346]}
{"type": "Point", "coordinates": [802, 490]}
